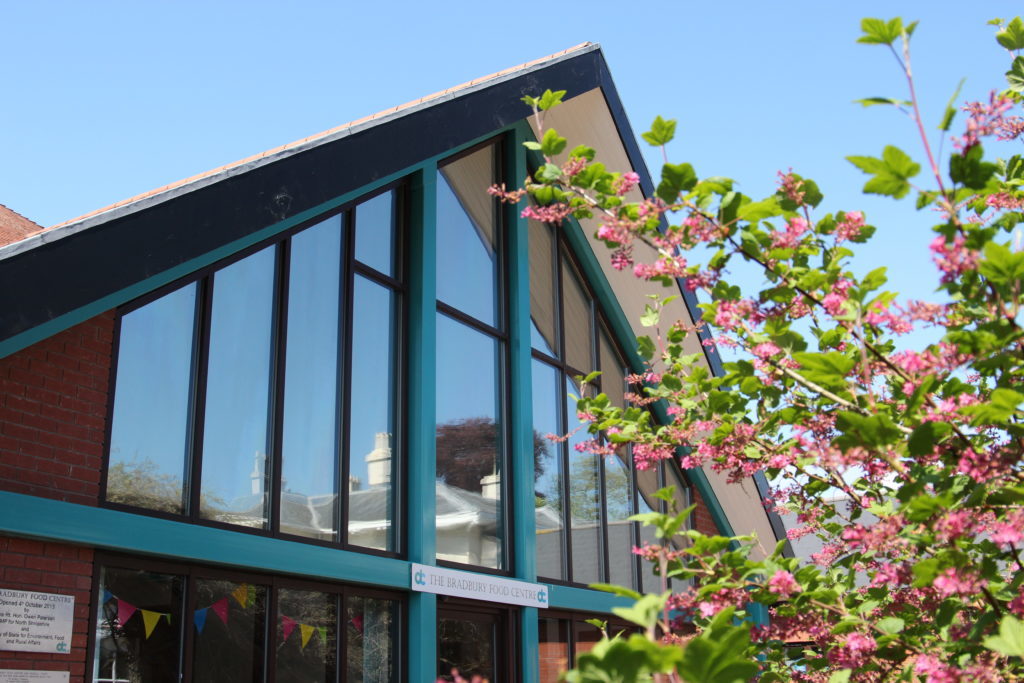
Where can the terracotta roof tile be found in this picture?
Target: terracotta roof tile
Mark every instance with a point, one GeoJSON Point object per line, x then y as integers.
{"type": "Point", "coordinates": [281, 148]}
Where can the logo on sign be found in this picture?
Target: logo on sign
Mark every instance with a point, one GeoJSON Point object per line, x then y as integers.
{"type": "Point", "coordinates": [420, 578]}
{"type": "Point", "coordinates": [542, 596]}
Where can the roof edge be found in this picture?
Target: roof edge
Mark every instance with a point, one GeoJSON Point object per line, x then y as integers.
{"type": "Point", "coordinates": [179, 188]}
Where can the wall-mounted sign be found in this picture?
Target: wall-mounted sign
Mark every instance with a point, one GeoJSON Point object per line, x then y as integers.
{"type": "Point", "coordinates": [458, 584]}
{"type": "Point", "coordinates": [35, 622]}
{"type": "Point", "coordinates": [30, 676]}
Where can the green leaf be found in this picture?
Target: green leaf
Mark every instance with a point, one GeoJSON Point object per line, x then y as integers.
{"type": "Point", "coordinates": [650, 316]}
{"type": "Point", "coordinates": [890, 173]}
{"type": "Point", "coordinates": [532, 146]}
{"type": "Point", "coordinates": [1012, 35]}
{"type": "Point", "coordinates": [550, 99]}
{"type": "Point", "coordinates": [552, 143]}
{"type": "Point", "coordinates": [926, 436]}
{"type": "Point", "coordinates": [881, 32]}
{"type": "Point", "coordinates": [1002, 266]}
{"type": "Point", "coordinates": [616, 590]}
{"type": "Point", "coordinates": [890, 625]}
{"type": "Point", "coordinates": [584, 152]}
{"type": "Point", "coordinates": [1015, 76]}
{"type": "Point", "coordinates": [947, 116]}
{"type": "Point", "coordinates": [842, 676]}
{"type": "Point", "coordinates": [756, 211]}
{"type": "Point", "coordinates": [970, 170]}
{"type": "Point", "coordinates": [645, 347]}
{"type": "Point", "coordinates": [1010, 641]}
{"type": "Point", "coordinates": [661, 132]}
{"type": "Point", "coordinates": [872, 101]}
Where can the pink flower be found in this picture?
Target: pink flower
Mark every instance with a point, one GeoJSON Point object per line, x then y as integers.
{"type": "Point", "coordinates": [856, 650]}
{"type": "Point", "coordinates": [790, 238]}
{"type": "Point", "coordinates": [849, 228]}
{"type": "Point", "coordinates": [626, 183]}
{"type": "Point", "coordinates": [783, 584]}
{"type": "Point", "coordinates": [987, 119]}
{"type": "Point", "coordinates": [956, 582]}
{"type": "Point", "coordinates": [953, 259]}
{"type": "Point", "coordinates": [552, 213]}
{"type": "Point", "coordinates": [766, 350]}
{"type": "Point", "coordinates": [791, 187]}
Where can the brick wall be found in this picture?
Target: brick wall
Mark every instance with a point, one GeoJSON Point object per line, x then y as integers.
{"type": "Point", "coordinates": [50, 568]}
{"type": "Point", "coordinates": [53, 406]}
{"type": "Point", "coordinates": [702, 520]}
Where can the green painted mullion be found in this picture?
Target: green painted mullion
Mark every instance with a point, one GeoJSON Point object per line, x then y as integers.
{"type": "Point", "coordinates": [522, 465]}
{"type": "Point", "coordinates": [54, 520]}
{"type": "Point", "coordinates": [421, 473]}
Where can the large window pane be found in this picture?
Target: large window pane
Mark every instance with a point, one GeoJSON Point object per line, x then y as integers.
{"type": "Point", "coordinates": [375, 232]}
{"type": "Point", "coordinates": [647, 484]}
{"type": "Point", "coordinates": [579, 331]}
{"type": "Point", "coordinates": [619, 507]}
{"type": "Point", "coordinates": [467, 237]}
{"type": "Point", "coordinates": [372, 640]}
{"type": "Point", "coordinates": [235, 443]}
{"type": "Point", "coordinates": [613, 377]}
{"type": "Point", "coordinates": [307, 637]}
{"type": "Point", "coordinates": [230, 632]}
{"type": "Point", "coordinates": [469, 446]}
{"type": "Point", "coordinates": [139, 625]}
{"type": "Point", "coordinates": [584, 499]}
{"type": "Point", "coordinates": [548, 474]}
{"type": "Point", "coordinates": [309, 450]}
{"type": "Point", "coordinates": [149, 432]}
{"type": "Point", "coordinates": [371, 447]}
{"type": "Point", "coordinates": [543, 293]}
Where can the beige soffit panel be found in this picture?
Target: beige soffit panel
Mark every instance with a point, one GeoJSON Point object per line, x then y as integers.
{"type": "Point", "coordinates": [585, 119]}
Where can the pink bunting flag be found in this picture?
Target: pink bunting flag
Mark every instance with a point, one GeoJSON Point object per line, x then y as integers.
{"type": "Point", "coordinates": [287, 626]}
{"type": "Point", "coordinates": [220, 608]}
{"type": "Point", "coordinates": [125, 610]}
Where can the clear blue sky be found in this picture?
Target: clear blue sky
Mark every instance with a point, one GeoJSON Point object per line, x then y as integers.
{"type": "Point", "coordinates": [103, 100]}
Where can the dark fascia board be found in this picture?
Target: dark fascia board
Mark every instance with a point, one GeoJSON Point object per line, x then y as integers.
{"type": "Point", "coordinates": [56, 273]}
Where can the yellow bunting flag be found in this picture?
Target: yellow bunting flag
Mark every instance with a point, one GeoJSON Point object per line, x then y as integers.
{"type": "Point", "coordinates": [307, 631]}
{"type": "Point", "coordinates": [241, 594]}
{"type": "Point", "coordinates": [150, 619]}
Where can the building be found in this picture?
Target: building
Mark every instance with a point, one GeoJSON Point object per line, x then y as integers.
{"type": "Point", "coordinates": [245, 416]}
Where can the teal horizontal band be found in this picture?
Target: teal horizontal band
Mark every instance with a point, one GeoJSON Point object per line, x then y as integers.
{"type": "Point", "coordinates": [583, 599]}
{"type": "Point", "coordinates": [53, 520]}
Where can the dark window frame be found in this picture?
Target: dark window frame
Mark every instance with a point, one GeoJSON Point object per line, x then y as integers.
{"type": "Point", "coordinates": [349, 267]}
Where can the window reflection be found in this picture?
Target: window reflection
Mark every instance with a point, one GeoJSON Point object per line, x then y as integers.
{"type": "Point", "coordinates": [138, 634]}
{"type": "Point", "coordinates": [309, 453]}
{"type": "Point", "coordinates": [372, 634]}
{"type": "Point", "coordinates": [579, 331]}
{"type": "Point", "coordinates": [543, 293]}
{"type": "Point", "coordinates": [584, 498]}
{"type": "Point", "coordinates": [375, 232]}
{"type": "Point", "coordinates": [307, 638]}
{"type": "Point", "coordinates": [230, 640]}
{"type": "Point", "coordinates": [148, 438]}
{"type": "Point", "coordinates": [467, 237]}
{"type": "Point", "coordinates": [469, 442]}
{"type": "Point", "coordinates": [548, 473]}
{"type": "Point", "coordinates": [235, 438]}
{"type": "Point", "coordinates": [371, 451]}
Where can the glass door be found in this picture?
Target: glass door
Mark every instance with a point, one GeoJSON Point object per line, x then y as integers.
{"type": "Point", "coordinates": [474, 644]}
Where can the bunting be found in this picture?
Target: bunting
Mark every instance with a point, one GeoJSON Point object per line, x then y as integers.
{"type": "Point", "coordinates": [244, 595]}
{"type": "Point", "coordinates": [306, 631]}
{"type": "Point", "coordinates": [149, 620]}
{"type": "Point", "coordinates": [220, 608]}
{"type": "Point", "coordinates": [241, 595]}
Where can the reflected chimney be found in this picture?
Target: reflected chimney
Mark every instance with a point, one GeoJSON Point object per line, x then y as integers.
{"type": "Point", "coordinates": [490, 486]}
{"type": "Point", "coordinates": [378, 461]}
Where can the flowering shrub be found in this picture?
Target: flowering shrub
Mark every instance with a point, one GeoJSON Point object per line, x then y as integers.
{"type": "Point", "coordinates": [905, 463]}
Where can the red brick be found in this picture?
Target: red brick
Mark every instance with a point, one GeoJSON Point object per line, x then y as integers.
{"type": "Point", "coordinates": [25, 546]}
{"type": "Point", "coordinates": [49, 564]}
{"type": "Point", "coordinates": [18, 575]}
